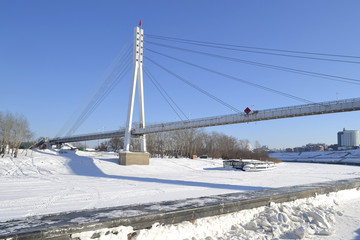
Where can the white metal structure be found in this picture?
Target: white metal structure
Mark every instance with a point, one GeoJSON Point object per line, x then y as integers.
{"type": "Point", "coordinates": [346, 105]}
{"type": "Point", "coordinates": [261, 115]}
{"type": "Point", "coordinates": [137, 75]}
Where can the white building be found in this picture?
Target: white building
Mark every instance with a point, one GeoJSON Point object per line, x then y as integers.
{"type": "Point", "coordinates": [348, 139]}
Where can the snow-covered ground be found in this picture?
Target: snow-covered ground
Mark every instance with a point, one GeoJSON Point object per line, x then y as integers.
{"type": "Point", "coordinates": [342, 157]}
{"type": "Point", "coordinates": [334, 216]}
{"type": "Point", "coordinates": [48, 181]}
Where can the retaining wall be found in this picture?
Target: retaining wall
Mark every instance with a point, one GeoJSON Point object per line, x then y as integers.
{"type": "Point", "coordinates": [63, 225]}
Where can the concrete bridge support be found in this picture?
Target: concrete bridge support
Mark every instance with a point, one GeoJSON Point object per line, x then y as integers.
{"type": "Point", "coordinates": [134, 158]}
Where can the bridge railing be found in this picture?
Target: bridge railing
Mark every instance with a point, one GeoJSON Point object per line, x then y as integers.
{"type": "Point", "coordinates": [90, 136]}
{"type": "Point", "coordinates": [352, 104]}
{"type": "Point", "coordinates": [264, 111]}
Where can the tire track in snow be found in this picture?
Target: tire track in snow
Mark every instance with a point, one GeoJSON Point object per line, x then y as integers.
{"type": "Point", "coordinates": [49, 201]}
{"type": "Point", "coordinates": [17, 167]}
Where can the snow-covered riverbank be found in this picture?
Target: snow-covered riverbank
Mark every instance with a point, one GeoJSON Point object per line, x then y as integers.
{"type": "Point", "coordinates": [47, 181]}
{"type": "Point", "coordinates": [332, 216]}
{"type": "Point", "coordinates": [338, 157]}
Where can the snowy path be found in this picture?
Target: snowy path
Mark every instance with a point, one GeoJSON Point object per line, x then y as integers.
{"type": "Point", "coordinates": [49, 182]}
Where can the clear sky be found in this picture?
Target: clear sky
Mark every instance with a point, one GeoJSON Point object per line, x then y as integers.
{"type": "Point", "coordinates": [53, 54]}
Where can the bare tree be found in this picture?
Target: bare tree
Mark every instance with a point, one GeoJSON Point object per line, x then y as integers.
{"type": "Point", "coordinates": [257, 145]}
{"type": "Point", "coordinates": [14, 129]}
{"type": "Point", "coordinates": [244, 145]}
{"type": "Point", "coordinates": [6, 127]}
{"type": "Point", "coordinates": [103, 146]}
{"type": "Point", "coordinates": [116, 143]}
{"type": "Point", "coordinates": [29, 136]}
{"type": "Point", "coordinates": [20, 132]}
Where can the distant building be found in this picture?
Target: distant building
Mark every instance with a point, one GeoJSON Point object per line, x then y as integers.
{"type": "Point", "coordinates": [299, 149]}
{"type": "Point", "coordinates": [264, 148]}
{"type": "Point", "coordinates": [348, 139]}
{"type": "Point", "coordinates": [311, 147]}
{"type": "Point", "coordinates": [333, 147]}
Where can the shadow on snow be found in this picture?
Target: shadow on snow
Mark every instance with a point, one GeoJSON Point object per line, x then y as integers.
{"type": "Point", "coordinates": [358, 235]}
{"type": "Point", "coordinates": [85, 166]}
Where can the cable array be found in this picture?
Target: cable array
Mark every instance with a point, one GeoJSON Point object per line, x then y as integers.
{"type": "Point", "coordinates": [165, 95]}
{"type": "Point", "coordinates": [270, 51]}
{"type": "Point", "coordinates": [111, 78]}
{"type": "Point", "coordinates": [271, 66]}
{"type": "Point", "coordinates": [340, 58]}
{"type": "Point", "coordinates": [194, 86]}
{"type": "Point", "coordinates": [232, 77]}
{"type": "Point", "coordinates": [121, 66]}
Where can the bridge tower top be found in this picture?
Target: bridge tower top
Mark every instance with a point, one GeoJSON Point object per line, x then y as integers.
{"type": "Point", "coordinates": [136, 77]}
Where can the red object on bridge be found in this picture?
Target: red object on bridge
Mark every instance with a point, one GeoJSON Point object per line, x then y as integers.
{"type": "Point", "coordinates": [247, 110]}
{"type": "Point", "coordinates": [140, 23]}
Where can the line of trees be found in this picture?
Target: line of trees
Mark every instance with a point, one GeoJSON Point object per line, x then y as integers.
{"type": "Point", "coordinates": [14, 129]}
{"type": "Point", "coordinates": [190, 142]}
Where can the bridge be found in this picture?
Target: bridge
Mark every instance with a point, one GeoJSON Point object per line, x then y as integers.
{"type": "Point", "coordinates": [261, 115]}
{"type": "Point", "coordinates": [127, 157]}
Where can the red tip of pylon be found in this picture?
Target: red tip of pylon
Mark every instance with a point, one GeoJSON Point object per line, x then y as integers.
{"type": "Point", "coordinates": [140, 23]}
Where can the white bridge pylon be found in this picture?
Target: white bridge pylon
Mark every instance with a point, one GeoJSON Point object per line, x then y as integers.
{"type": "Point", "coordinates": [137, 76]}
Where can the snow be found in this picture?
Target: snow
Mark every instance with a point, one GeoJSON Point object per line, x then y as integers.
{"type": "Point", "coordinates": [48, 181]}
{"type": "Point", "coordinates": [342, 157]}
{"type": "Point", "coordinates": [293, 220]}
{"type": "Point", "coordinates": [332, 216]}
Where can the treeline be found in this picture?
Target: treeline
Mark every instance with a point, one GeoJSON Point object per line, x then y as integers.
{"type": "Point", "coordinates": [184, 143]}
{"type": "Point", "coordinates": [14, 129]}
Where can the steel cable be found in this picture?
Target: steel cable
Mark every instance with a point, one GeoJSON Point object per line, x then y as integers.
{"type": "Point", "coordinates": [112, 76]}
{"type": "Point", "coordinates": [162, 92]}
{"type": "Point", "coordinates": [286, 69]}
{"type": "Point", "coordinates": [233, 78]}
{"type": "Point", "coordinates": [194, 86]}
{"type": "Point", "coordinates": [238, 48]}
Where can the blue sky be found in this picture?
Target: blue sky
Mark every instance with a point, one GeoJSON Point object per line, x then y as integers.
{"type": "Point", "coordinates": [53, 54]}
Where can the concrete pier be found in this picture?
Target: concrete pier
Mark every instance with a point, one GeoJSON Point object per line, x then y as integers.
{"type": "Point", "coordinates": [134, 158]}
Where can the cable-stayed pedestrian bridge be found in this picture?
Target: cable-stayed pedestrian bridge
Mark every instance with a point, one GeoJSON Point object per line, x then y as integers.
{"type": "Point", "coordinates": [240, 116]}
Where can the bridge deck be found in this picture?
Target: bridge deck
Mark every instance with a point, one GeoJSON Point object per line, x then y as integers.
{"type": "Point", "coordinates": [346, 105]}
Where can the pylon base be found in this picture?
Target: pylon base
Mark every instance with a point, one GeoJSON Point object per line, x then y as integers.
{"type": "Point", "coordinates": [134, 158]}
